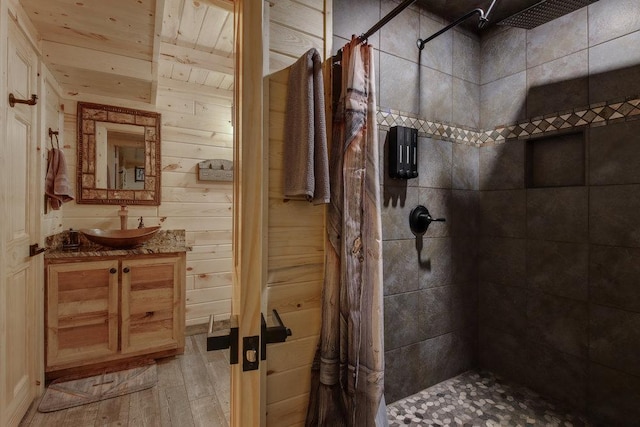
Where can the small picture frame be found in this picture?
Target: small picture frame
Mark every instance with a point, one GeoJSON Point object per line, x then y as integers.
{"type": "Point", "coordinates": [139, 174]}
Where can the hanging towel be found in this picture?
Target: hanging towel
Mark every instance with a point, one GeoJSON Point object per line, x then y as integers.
{"type": "Point", "coordinates": [56, 185]}
{"type": "Point", "coordinates": [305, 137]}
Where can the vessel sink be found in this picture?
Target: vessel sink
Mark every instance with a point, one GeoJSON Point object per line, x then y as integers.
{"type": "Point", "coordinates": [120, 239]}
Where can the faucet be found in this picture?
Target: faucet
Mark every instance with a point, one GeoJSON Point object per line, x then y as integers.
{"type": "Point", "coordinates": [140, 223]}
{"type": "Point", "coordinates": [123, 213]}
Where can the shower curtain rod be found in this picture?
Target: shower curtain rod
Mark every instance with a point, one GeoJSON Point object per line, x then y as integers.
{"type": "Point", "coordinates": [381, 23]}
{"type": "Point", "coordinates": [484, 19]}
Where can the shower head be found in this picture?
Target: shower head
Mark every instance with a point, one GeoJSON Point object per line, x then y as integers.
{"type": "Point", "coordinates": [542, 12]}
{"type": "Point", "coordinates": [484, 16]}
{"type": "Point", "coordinates": [484, 20]}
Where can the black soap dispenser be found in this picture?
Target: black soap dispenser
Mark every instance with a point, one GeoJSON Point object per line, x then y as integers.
{"type": "Point", "coordinates": [403, 152]}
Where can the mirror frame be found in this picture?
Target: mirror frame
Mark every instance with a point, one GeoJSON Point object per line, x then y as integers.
{"type": "Point", "coordinates": [87, 116]}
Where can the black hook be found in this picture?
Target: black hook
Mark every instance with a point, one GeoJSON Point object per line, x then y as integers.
{"type": "Point", "coordinates": [51, 134]}
{"type": "Point", "coordinates": [13, 100]}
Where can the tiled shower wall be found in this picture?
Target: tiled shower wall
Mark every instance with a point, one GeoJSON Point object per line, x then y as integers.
{"type": "Point", "coordinates": [430, 293]}
{"type": "Point", "coordinates": [544, 281]}
{"type": "Point", "coordinates": [559, 270]}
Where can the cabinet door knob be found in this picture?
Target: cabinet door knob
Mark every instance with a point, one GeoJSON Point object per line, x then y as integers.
{"type": "Point", "coordinates": [113, 270]}
{"type": "Point", "coordinates": [126, 269]}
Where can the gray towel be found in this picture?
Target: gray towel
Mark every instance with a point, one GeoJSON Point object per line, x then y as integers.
{"type": "Point", "coordinates": [57, 187]}
{"type": "Point", "coordinates": [305, 136]}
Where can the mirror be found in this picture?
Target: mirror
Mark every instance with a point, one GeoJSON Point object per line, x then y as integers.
{"type": "Point", "coordinates": [118, 155]}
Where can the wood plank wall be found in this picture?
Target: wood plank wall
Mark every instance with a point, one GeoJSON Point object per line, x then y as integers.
{"type": "Point", "coordinates": [194, 128]}
{"type": "Point", "coordinates": [296, 228]}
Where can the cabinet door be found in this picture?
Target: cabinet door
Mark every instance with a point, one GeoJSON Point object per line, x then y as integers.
{"type": "Point", "coordinates": [152, 313]}
{"type": "Point", "coordinates": [82, 312]}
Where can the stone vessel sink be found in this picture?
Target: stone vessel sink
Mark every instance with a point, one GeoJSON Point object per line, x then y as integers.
{"type": "Point", "coordinates": [120, 239]}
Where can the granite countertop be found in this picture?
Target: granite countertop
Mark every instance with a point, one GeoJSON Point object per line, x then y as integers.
{"type": "Point", "coordinates": [165, 241]}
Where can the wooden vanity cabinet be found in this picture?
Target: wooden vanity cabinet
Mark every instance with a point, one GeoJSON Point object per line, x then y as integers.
{"type": "Point", "coordinates": [113, 309]}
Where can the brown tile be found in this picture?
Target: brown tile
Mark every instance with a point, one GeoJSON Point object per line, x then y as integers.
{"type": "Point", "coordinates": [503, 54]}
{"type": "Point", "coordinates": [434, 163]}
{"type": "Point", "coordinates": [400, 38]}
{"type": "Point", "coordinates": [464, 259]}
{"type": "Point", "coordinates": [502, 353]}
{"type": "Point", "coordinates": [611, 19]}
{"type": "Point", "coordinates": [502, 261]}
{"type": "Point", "coordinates": [466, 167]}
{"type": "Point", "coordinates": [558, 214]}
{"type": "Point", "coordinates": [614, 339]}
{"type": "Point", "coordinates": [558, 268]}
{"type": "Point", "coordinates": [614, 154]}
{"type": "Point", "coordinates": [613, 277]}
{"type": "Point", "coordinates": [503, 101]}
{"type": "Point", "coordinates": [614, 396]}
{"type": "Point", "coordinates": [557, 38]}
{"type": "Point", "coordinates": [466, 104]}
{"type": "Point", "coordinates": [503, 213]}
{"type": "Point", "coordinates": [502, 166]}
{"type": "Point", "coordinates": [464, 220]}
{"type": "Point", "coordinates": [434, 262]}
{"type": "Point", "coordinates": [396, 75]}
{"type": "Point", "coordinates": [558, 322]}
{"type": "Point", "coordinates": [400, 266]}
{"type": "Point", "coordinates": [557, 375]}
{"type": "Point", "coordinates": [351, 17]}
{"type": "Point", "coordinates": [559, 85]}
{"type": "Point", "coordinates": [435, 93]}
{"type": "Point", "coordinates": [466, 57]}
{"type": "Point", "coordinates": [502, 308]}
{"type": "Point", "coordinates": [397, 202]}
{"type": "Point", "coordinates": [613, 218]}
{"type": "Point", "coordinates": [438, 53]}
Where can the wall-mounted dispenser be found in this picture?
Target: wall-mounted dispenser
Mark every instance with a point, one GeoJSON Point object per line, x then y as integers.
{"type": "Point", "coordinates": [403, 152]}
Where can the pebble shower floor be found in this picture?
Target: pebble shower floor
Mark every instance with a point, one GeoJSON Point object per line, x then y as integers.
{"type": "Point", "coordinates": [479, 398]}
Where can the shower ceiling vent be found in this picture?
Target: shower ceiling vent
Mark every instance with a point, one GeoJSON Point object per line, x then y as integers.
{"type": "Point", "coordinates": [544, 11]}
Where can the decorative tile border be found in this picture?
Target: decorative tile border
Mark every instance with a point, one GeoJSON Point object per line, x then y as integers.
{"type": "Point", "coordinates": [599, 114]}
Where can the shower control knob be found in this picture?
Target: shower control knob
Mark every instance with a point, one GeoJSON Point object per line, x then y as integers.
{"type": "Point", "coordinates": [419, 220]}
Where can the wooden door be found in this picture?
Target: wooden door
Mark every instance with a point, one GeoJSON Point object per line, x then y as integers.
{"type": "Point", "coordinates": [152, 304]}
{"type": "Point", "coordinates": [82, 313]}
{"type": "Point", "coordinates": [19, 326]}
{"type": "Point", "coordinates": [248, 388]}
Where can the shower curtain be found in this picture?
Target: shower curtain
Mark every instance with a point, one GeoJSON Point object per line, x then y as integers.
{"type": "Point", "coordinates": [347, 382]}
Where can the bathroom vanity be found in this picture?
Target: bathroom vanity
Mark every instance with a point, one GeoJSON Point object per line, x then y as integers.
{"type": "Point", "coordinates": [105, 307]}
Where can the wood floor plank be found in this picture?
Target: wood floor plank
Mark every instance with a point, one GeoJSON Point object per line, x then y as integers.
{"type": "Point", "coordinates": [169, 372]}
{"type": "Point", "coordinates": [145, 408]}
{"type": "Point", "coordinates": [85, 415]}
{"type": "Point", "coordinates": [49, 419]}
{"type": "Point", "coordinates": [115, 410]}
{"type": "Point", "coordinates": [207, 412]}
{"type": "Point", "coordinates": [195, 372]}
{"type": "Point", "coordinates": [219, 372]}
{"type": "Point", "coordinates": [175, 400]}
{"type": "Point", "coordinates": [192, 390]}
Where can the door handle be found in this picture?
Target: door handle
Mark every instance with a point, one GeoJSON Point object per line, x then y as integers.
{"type": "Point", "coordinates": [226, 338]}
{"type": "Point", "coordinates": [35, 250]}
{"type": "Point", "coordinates": [273, 334]}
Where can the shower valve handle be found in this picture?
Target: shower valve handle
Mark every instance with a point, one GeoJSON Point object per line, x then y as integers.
{"type": "Point", "coordinates": [420, 218]}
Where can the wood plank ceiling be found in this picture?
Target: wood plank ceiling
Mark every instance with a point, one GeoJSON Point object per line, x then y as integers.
{"type": "Point", "coordinates": [131, 49]}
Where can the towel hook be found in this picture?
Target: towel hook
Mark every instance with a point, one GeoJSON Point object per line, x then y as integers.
{"type": "Point", "coordinates": [51, 134]}
{"type": "Point", "coordinates": [13, 100]}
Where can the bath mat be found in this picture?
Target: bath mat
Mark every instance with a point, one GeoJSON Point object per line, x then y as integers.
{"type": "Point", "coordinates": [68, 392]}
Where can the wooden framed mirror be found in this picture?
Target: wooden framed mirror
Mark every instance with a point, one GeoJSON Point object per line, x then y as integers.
{"type": "Point", "coordinates": [118, 155]}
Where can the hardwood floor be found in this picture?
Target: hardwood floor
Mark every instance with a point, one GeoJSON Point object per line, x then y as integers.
{"type": "Point", "coordinates": [192, 390]}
